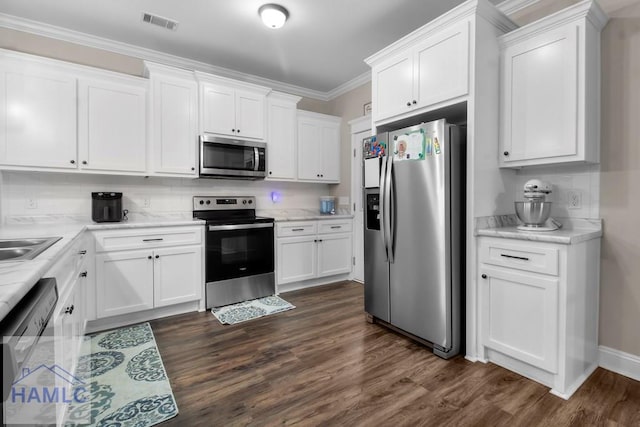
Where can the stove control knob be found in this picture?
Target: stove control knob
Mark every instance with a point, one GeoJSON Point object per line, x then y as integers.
{"type": "Point", "coordinates": [244, 202]}
{"type": "Point", "coordinates": [208, 202]}
{"type": "Point", "coordinates": [250, 201]}
{"type": "Point", "coordinates": [202, 202]}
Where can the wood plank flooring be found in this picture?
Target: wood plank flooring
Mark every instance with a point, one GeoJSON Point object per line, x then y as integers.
{"type": "Point", "coordinates": [323, 364]}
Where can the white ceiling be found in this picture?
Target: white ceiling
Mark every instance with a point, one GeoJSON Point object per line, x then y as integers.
{"type": "Point", "coordinates": [321, 47]}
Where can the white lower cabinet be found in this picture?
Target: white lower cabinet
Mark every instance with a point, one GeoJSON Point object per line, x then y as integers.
{"type": "Point", "coordinates": [124, 282]}
{"type": "Point", "coordinates": [538, 309]}
{"type": "Point", "coordinates": [308, 250]}
{"type": "Point", "coordinates": [160, 267]}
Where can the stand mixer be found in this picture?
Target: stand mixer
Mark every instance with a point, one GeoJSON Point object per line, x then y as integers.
{"type": "Point", "coordinates": [535, 210]}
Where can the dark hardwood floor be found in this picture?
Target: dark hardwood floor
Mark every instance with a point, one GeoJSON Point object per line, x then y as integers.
{"type": "Point", "coordinates": [323, 364]}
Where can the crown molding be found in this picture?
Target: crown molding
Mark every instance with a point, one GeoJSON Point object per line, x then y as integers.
{"type": "Point", "coordinates": [63, 34]}
{"type": "Point", "coordinates": [509, 7]}
{"type": "Point", "coordinates": [349, 86]}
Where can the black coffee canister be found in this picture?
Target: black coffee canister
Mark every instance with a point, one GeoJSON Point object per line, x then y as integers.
{"type": "Point", "coordinates": [106, 207]}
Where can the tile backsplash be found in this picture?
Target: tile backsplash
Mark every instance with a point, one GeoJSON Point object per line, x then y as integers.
{"type": "Point", "coordinates": [33, 194]}
{"type": "Point", "coordinates": [580, 182]}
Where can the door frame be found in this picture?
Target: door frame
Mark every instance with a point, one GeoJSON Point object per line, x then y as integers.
{"type": "Point", "coordinates": [358, 125]}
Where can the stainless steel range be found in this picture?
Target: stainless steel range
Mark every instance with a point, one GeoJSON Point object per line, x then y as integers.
{"type": "Point", "coordinates": [239, 250]}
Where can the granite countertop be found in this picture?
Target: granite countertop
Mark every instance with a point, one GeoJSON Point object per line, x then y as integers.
{"type": "Point", "coordinates": [281, 215]}
{"type": "Point", "coordinates": [573, 230]}
{"type": "Point", "coordinates": [18, 277]}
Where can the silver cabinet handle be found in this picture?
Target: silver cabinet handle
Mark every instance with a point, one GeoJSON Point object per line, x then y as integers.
{"type": "Point", "coordinates": [336, 226]}
{"type": "Point", "coordinates": [515, 257]}
{"type": "Point", "coordinates": [239, 227]}
{"type": "Point", "coordinates": [153, 240]}
{"type": "Point", "coordinates": [83, 274]}
{"type": "Point", "coordinates": [297, 229]}
{"type": "Point", "coordinates": [82, 252]}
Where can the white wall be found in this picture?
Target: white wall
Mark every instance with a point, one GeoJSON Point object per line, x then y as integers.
{"type": "Point", "coordinates": [35, 194]}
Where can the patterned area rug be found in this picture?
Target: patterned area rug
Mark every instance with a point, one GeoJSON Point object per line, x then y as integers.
{"type": "Point", "coordinates": [125, 378]}
{"type": "Point", "coordinates": [249, 310]}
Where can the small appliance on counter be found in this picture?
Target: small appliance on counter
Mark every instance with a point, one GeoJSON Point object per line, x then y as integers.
{"type": "Point", "coordinates": [327, 205]}
{"type": "Point", "coordinates": [535, 210]}
{"type": "Point", "coordinates": [107, 207]}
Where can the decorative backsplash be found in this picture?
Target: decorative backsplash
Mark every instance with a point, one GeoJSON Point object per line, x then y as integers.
{"type": "Point", "coordinates": [29, 194]}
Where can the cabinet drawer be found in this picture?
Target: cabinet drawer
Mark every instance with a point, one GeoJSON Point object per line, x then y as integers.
{"type": "Point", "coordinates": [325, 227]}
{"type": "Point", "coordinates": [305, 228]}
{"type": "Point", "coordinates": [115, 240]}
{"type": "Point", "coordinates": [537, 259]}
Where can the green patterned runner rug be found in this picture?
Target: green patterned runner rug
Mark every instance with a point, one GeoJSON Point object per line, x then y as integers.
{"type": "Point", "coordinates": [249, 310]}
{"type": "Point", "coordinates": [125, 379]}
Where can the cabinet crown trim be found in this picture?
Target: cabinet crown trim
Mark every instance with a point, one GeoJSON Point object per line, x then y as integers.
{"type": "Point", "coordinates": [236, 84]}
{"type": "Point", "coordinates": [151, 68]}
{"type": "Point", "coordinates": [281, 96]}
{"type": "Point", "coordinates": [320, 116]}
{"type": "Point", "coordinates": [457, 14]}
{"type": "Point", "coordinates": [587, 9]}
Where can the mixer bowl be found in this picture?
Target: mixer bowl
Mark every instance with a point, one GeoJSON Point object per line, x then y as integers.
{"type": "Point", "coordinates": [533, 214]}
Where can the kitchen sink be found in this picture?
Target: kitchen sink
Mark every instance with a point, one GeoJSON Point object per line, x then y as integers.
{"type": "Point", "coordinates": [24, 249]}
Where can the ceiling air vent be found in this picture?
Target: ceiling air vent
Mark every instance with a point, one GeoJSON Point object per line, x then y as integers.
{"type": "Point", "coordinates": [159, 21]}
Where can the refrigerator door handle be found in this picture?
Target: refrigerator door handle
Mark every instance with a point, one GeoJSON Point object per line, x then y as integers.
{"type": "Point", "coordinates": [387, 208]}
{"type": "Point", "coordinates": [383, 214]}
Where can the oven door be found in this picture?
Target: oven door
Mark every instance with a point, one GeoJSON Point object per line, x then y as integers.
{"type": "Point", "coordinates": [221, 157]}
{"type": "Point", "coordinates": [238, 250]}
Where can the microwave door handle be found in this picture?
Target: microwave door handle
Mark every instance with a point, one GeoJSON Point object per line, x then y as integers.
{"type": "Point", "coordinates": [256, 159]}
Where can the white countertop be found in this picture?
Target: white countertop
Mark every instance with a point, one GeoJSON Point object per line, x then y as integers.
{"type": "Point", "coordinates": [281, 215]}
{"type": "Point", "coordinates": [18, 277]}
{"type": "Point", "coordinates": [573, 231]}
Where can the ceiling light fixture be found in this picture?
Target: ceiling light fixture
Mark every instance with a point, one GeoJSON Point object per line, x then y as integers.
{"type": "Point", "coordinates": [273, 15]}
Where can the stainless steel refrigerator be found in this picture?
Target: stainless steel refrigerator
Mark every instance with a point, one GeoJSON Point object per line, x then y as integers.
{"type": "Point", "coordinates": [414, 232]}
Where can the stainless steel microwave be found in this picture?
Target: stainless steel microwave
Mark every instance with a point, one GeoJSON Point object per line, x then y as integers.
{"type": "Point", "coordinates": [232, 158]}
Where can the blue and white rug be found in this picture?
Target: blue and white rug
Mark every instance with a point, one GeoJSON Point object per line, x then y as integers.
{"type": "Point", "coordinates": [125, 378]}
{"type": "Point", "coordinates": [249, 310]}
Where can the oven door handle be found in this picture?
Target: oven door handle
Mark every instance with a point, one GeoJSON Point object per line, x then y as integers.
{"type": "Point", "coordinates": [239, 227]}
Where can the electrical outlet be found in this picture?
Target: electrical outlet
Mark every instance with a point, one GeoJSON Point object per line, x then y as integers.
{"type": "Point", "coordinates": [146, 202]}
{"type": "Point", "coordinates": [32, 203]}
{"type": "Point", "coordinates": [574, 199]}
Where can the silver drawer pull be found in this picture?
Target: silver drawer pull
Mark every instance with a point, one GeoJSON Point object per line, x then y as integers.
{"type": "Point", "coordinates": [515, 257]}
{"type": "Point", "coordinates": [82, 252]}
{"type": "Point", "coordinates": [336, 226]}
{"type": "Point", "coordinates": [153, 240]}
{"type": "Point", "coordinates": [297, 229]}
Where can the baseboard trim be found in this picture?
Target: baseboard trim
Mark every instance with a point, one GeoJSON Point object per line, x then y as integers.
{"type": "Point", "coordinates": [619, 362]}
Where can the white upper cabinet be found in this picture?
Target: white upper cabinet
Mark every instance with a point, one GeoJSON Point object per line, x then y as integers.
{"type": "Point", "coordinates": [318, 147]}
{"type": "Point", "coordinates": [281, 142]}
{"type": "Point", "coordinates": [37, 115]}
{"type": "Point", "coordinates": [427, 70]}
{"type": "Point", "coordinates": [550, 89]}
{"type": "Point", "coordinates": [173, 122]}
{"type": "Point", "coordinates": [112, 124]}
{"type": "Point", "coordinates": [232, 108]}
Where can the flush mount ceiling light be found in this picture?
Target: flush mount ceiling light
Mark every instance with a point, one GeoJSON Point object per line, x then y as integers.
{"type": "Point", "coordinates": [273, 15]}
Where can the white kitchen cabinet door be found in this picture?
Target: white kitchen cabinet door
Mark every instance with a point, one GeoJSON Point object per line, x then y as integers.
{"type": "Point", "coordinates": [334, 254]}
{"type": "Point", "coordinates": [112, 126]}
{"type": "Point", "coordinates": [296, 259]}
{"type": "Point", "coordinates": [177, 275]}
{"type": "Point", "coordinates": [442, 66]}
{"type": "Point", "coordinates": [393, 86]}
{"type": "Point", "coordinates": [318, 147]}
{"type": "Point", "coordinates": [309, 144]}
{"type": "Point", "coordinates": [38, 117]}
{"type": "Point", "coordinates": [219, 109]}
{"type": "Point", "coordinates": [330, 153]}
{"type": "Point", "coordinates": [250, 114]}
{"type": "Point", "coordinates": [281, 144]}
{"type": "Point", "coordinates": [540, 85]}
{"type": "Point", "coordinates": [174, 137]}
{"type": "Point", "coordinates": [520, 316]}
{"type": "Point", "coordinates": [124, 282]}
